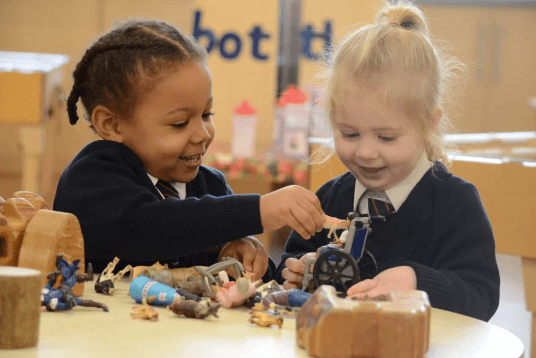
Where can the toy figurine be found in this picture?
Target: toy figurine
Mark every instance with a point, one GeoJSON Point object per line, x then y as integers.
{"type": "Point", "coordinates": [178, 274]}
{"type": "Point", "coordinates": [234, 294]}
{"type": "Point", "coordinates": [143, 287]}
{"type": "Point", "coordinates": [202, 283]}
{"type": "Point", "coordinates": [334, 224]}
{"type": "Point", "coordinates": [62, 297]}
{"type": "Point", "coordinates": [193, 309]}
{"type": "Point", "coordinates": [286, 298]}
{"type": "Point", "coordinates": [106, 280]}
{"type": "Point", "coordinates": [265, 319]}
{"type": "Point", "coordinates": [144, 312]}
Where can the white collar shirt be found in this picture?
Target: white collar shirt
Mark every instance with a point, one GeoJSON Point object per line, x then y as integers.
{"type": "Point", "coordinates": [397, 194]}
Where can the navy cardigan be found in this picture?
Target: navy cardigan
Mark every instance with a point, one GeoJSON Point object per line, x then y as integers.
{"type": "Point", "coordinates": [441, 231]}
{"type": "Point", "coordinates": [122, 214]}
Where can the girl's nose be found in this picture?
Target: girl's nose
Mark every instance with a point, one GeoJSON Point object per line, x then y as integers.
{"type": "Point", "coordinates": [366, 149]}
{"type": "Point", "coordinates": [201, 132]}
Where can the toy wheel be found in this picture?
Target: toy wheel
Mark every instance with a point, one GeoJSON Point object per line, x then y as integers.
{"type": "Point", "coordinates": [336, 268]}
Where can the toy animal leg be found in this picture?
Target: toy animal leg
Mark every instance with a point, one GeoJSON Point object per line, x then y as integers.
{"type": "Point", "coordinates": [122, 273]}
{"type": "Point", "coordinates": [90, 303]}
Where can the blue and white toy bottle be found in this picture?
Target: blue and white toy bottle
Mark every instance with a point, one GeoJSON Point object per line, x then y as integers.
{"type": "Point", "coordinates": [144, 287]}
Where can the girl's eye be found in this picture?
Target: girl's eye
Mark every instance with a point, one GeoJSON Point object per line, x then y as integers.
{"type": "Point", "coordinates": [349, 135]}
{"type": "Point", "coordinates": [387, 139]}
{"type": "Point", "coordinates": [179, 125]}
{"type": "Point", "coordinates": [207, 115]}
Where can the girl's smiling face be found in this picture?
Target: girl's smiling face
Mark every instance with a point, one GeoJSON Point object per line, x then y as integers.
{"type": "Point", "coordinates": [376, 141]}
{"type": "Point", "coordinates": [171, 126]}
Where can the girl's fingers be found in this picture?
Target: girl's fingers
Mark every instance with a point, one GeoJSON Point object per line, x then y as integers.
{"type": "Point", "coordinates": [361, 287]}
{"type": "Point", "coordinates": [318, 218]}
{"type": "Point", "coordinates": [298, 227]}
{"type": "Point", "coordinates": [289, 286]}
{"type": "Point", "coordinates": [304, 219]}
{"type": "Point", "coordinates": [295, 265]}
{"type": "Point", "coordinates": [249, 253]}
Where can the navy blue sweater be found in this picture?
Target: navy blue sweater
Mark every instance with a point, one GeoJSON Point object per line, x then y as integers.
{"type": "Point", "coordinates": [441, 231]}
{"type": "Point", "coordinates": [122, 214]}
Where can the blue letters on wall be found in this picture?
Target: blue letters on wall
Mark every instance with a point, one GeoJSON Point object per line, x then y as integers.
{"type": "Point", "coordinates": [230, 44]}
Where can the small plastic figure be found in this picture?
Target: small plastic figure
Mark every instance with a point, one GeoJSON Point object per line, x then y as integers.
{"type": "Point", "coordinates": [264, 319]}
{"type": "Point", "coordinates": [193, 309]}
{"type": "Point", "coordinates": [334, 224]}
{"type": "Point", "coordinates": [106, 280]}
{"type": "Point", "coordinates": [62, 297]}
{"type": "Point", "coordinates": [144, 312]}
{"type": "Point", "coordinates": [234, 294]}
{"type": "Point", "coordinates": [286, 298]}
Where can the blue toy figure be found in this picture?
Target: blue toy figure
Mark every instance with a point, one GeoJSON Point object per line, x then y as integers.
{"type": "Point", "coordinates": [62, 297]}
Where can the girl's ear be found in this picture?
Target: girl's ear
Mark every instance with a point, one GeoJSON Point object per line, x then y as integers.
{"type": "Point", "coordinates": [106, 124]}
{"type": "Point", "coordinates": [436, 118]}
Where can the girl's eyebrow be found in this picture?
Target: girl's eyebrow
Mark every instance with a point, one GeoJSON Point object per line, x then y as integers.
{"type": "Point", "coordinates": [185, 109]}
{"type": "Point", "coordinates": [382, 129]}
{"type": "Point", "coordinates": [180, 109]}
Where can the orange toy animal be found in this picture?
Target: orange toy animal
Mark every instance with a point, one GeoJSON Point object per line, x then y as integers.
{"type": "Point", "coordinates": [334, 224]}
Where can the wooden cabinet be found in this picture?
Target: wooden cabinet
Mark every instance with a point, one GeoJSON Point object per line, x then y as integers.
{"type": "Point", "coordinates": [498, 45]}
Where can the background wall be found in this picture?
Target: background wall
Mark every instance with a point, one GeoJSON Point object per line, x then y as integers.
{"type": "Point", "coordinates": [66, 27]}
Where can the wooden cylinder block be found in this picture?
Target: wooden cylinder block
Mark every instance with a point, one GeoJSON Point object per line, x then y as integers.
{"type": "Point", "coordinates": [50, 233]}
{"type": "Point", "coordinates": [20, 290]}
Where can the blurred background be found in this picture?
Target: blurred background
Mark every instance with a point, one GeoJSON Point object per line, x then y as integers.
{"type": "Point", "coordinates": [266, 58]}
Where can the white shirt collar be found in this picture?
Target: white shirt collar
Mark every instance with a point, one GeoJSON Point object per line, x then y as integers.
{"type": "Point", "coordinates": [399, 192]}
{"type": "Point", "coordinates": [180, 187]}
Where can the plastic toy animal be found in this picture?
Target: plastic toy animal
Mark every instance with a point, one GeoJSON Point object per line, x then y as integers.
{"type": "Point", "coordinates": [234, 294]}
{"type": "Point", "coordinates": [62, 297]}
{"type": "Point", "coordinates": [334, 224]}
{"type": "Point", "coordinates": [105, 281]}
{"type": "Point", "coordinates": [265, 319]}
{"type": "Point", "coordinates": [144, 312]}
{"type": "Point", "coordinates": [193, 309]}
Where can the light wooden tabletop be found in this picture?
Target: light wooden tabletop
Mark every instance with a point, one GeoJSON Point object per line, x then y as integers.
{"type": "Point", "coordinates": [91, 332]}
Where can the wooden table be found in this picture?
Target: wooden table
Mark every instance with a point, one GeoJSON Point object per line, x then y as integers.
{"type": "Point", "coordinates": [91, 332]}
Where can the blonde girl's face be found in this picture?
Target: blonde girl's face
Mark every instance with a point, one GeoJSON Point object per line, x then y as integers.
{"type": "Point", "coordinates": [377, 142]}
{"type": "Point", "coordinates": [171, 127]}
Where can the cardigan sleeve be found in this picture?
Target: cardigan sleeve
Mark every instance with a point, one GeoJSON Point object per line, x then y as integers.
{"type": "Point", "coordinates": [119, 214]}
{"type": "Point", "coordinates": [461, 274]}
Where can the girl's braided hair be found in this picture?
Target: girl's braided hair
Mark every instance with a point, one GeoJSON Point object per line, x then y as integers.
{"type": "Point", "coordinates": [124, 63]}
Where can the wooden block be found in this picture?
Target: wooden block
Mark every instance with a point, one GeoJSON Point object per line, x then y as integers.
{"type": "Point", "coordinates": [15, 214]}
{"type": "Point", "coordinates": [20, 290]}
{"type": "Point", "coordinates": [31, 236]}
{"type": "Point", "coordinates": [37, 201]}
{"type": "Point", "coordinates": [333, 327]}
{"type": "Point", "coordinates": [50, 233]}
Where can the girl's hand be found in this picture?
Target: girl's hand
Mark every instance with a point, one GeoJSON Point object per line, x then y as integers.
{"type": "Point", "coordinates": [251, 253]}
{"type": "Point", "coordinates": [293, 274]}
{"type": "Point", "coordinates": [294, 206]}
{"type": "Point", "coordinates": [400, 278]}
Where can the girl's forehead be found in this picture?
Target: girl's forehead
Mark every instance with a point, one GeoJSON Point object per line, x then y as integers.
{"type": "Point", "coordinates": [369, 111]}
